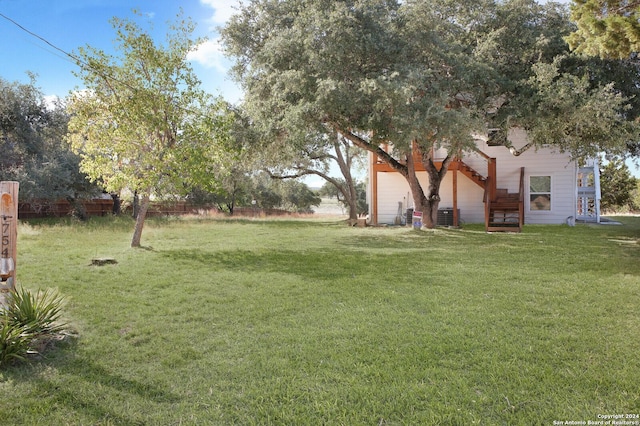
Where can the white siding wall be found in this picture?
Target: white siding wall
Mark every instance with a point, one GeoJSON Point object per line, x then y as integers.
{"type": "Point", "coordinates": [537, 162]}
{"type": "Point", "coordinates": [393, 188]}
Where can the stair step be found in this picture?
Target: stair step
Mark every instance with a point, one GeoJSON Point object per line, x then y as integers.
{"type": "Point", "coordinates": [491, 228]}
{"type": "Point", "coordinates": [471, 173]}
{"type": "Point", "coordinates": [506, 221]}
{"type": "Point", "coordinates": [505, 206]}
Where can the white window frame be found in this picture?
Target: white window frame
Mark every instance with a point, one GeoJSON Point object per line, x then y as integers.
{"type": "Point", "coordinates": [550, 193]}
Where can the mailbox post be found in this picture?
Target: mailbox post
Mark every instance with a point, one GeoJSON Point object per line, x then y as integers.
{"type": "Point", "coordinates": [9, 235]}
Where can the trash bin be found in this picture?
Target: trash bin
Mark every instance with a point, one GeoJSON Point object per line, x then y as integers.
{"type": "Point", "coordinates": [408, 217]}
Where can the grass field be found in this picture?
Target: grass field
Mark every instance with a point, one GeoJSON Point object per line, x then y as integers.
{"type": "Point", "coordinates": [301, 322]}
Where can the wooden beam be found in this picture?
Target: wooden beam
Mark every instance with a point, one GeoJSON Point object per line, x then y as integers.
{"type": "Point", "coordinates": [374, 192]}
{"type": "Point", "coordinates": [492, 171]}
{"type": "Point", "coordinates": [455, 196]}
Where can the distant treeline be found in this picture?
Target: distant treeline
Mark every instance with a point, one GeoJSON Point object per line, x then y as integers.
{"type": "Point", "coordinates": [102, 207]}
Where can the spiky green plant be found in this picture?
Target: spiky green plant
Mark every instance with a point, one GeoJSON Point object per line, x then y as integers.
{"type": "Point", "coordinates": [14, 342]}
{"type": "Point", "coordinates": [38, 313]}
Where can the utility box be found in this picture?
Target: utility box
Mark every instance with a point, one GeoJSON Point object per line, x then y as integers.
{"type": "Point", "coordinates": [445, 216]}
{"type": "Point", "coordinates": [409, 217]}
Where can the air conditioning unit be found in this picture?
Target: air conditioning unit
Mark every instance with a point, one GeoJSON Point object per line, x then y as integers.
{"type": "Point", "coordinates": [445, 216]}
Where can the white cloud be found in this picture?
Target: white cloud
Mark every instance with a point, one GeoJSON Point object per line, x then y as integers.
{"type": "Point", "coordinates": [50, 101]}
{"type": "Point", "coordinates": [209, 55]}
{"type": "Point", "coordinates": [223, 9]}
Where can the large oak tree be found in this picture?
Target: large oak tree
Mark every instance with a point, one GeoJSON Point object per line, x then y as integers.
{"type": "Point", "coordinates": [372, 71]}
{"type": "Point", "coordinates": [419, 75]}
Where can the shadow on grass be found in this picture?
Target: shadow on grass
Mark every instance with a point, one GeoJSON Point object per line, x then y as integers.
{"type": "Point", "coordinates": [316, 264]}
{"type": "Point", "coordinates": [471, 248]}
{"type": "Point", "coordinates": [282, 222]}
{"type": "Point", "coordinates": [62, 380]}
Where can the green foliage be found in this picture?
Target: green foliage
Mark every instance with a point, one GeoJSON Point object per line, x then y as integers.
{"type": "Point", "coordinates": [310, 67]}
{"type": "Point", "coordinates": [606, 28]}
{"type": "Point", "coordinates": [39, 313]}
{"type": "Point", "coordinates": [235, 189]}
{"type": "Point", "coordinates": [362, 205]}
{"type": "Point", "coordinates": [635, 197]}
{"type": "Point", "coordinates": [28, 321]}
{"type": "Point", "coordinates": [144, 123]}
{"type": "Point", "coordinates": [617, 186]}
{"type": "Point", "coordinates": [330, 190]}
{"type": "Point", "coordinates": [14, 342]}
{"type": "Point", "coordinates": [373, 71]}
{"type": "Point", "coordinates": [244, 188]}
{"type": "Point", "coordinates": [575, 116]}
{"type": "Point", "coordinates": [297, 197]}
{"type": "Point", "coordinates": [33, 148]}
{"type": "Point", "coordinates": [580, 105]}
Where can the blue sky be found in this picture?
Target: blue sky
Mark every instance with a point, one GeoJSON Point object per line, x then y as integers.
{"type": "Point", "coordinates": [70, 24]}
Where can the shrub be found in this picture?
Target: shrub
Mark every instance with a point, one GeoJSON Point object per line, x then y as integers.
{"type": "Point", "coordinates": [14, 342]}
{"type": "Point", "coordinates": [28, 322]}
{"type": "Point", "coordinates": [39, 313]}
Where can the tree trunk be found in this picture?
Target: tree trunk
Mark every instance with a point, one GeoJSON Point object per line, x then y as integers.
{"type": "Point", "coordinates": [352, 199]}
{"type": "Point", "coordinates": [353, 209]}
{"type": "Point", "coordinates": [430, 213]}
{"type": "Point", "coordinates": [142, 213]}
{"type": "Point", "coordinates": [432, 198]}
{"type": "Point", "coordinates": [419, 199]}
{"type": "Point", "coordinates": [136, 204]}
{"type": "Point", "coordinates": [344, 162]}
{"type": "Point", "coordinates": [427, 203]}
{"type": "Point", "coordinates": [116, 203]}
{"type": "Point", "coordinates": [77, 208]}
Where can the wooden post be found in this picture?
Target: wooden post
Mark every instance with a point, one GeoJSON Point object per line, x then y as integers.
{"type": "Point", "coordinates": [455, 195]}
{"type": "Point", "coordinates": [9, 234]}
{"type": "Point", "coordinates": [374, 189]}
{"type": "Point", "coordinates": [493, 182]}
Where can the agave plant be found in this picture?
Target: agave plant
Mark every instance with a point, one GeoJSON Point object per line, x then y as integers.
{"type": "Point", "coordinates": [14, 342]}
{"type": "Point", "coordinates": [38, 313]}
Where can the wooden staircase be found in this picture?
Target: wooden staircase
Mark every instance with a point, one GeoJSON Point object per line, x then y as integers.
{"type": "Point", "coordinates": [476, 177]}
{"type": "Point", "coordinates": [504, 211]}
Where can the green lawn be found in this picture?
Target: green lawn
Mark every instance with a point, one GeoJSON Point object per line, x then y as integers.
{"type": "Point", "coordinates": [310, 322]}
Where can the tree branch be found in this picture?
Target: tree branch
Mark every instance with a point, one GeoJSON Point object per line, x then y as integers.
{"type": "Point", "coordinates": [517, 152]}
{"type": "Point", "coordinates": [377, 150]}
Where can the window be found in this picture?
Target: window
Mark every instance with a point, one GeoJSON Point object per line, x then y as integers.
{"type": "Point", "coordinates": [540, 193]}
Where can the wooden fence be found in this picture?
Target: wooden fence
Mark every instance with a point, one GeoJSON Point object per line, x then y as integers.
{"type": "Point", "coordinates": [60, 208]}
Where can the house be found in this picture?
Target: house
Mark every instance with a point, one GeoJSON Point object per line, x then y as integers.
{"type": "Point", "coordinates": [502, 187]}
